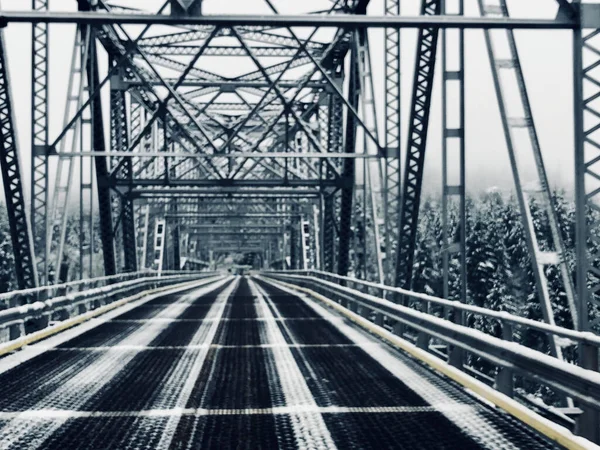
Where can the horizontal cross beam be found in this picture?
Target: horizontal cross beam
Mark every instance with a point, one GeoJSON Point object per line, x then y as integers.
{"type": "Point", "coordinates": [248, 155]}
{"type": "Point", "coordinates": [337, 21]}
{"type": "Point", "coordinates": [141, 184]}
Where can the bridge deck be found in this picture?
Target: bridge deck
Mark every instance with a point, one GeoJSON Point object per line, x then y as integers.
{"type": "Point", "coordinates": [244, 365]}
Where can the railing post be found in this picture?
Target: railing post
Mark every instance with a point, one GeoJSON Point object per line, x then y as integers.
{"type": "Point", "coordinates": [422, 340]}
{"type": "Point", "coordinates": [352, 306]}
{"type": "Point", "coordinates": [422, 337]}
{"type": "Point", "coordinates": [42, 321]}
{"type": "Point", "coordinates": [504, 377]}
{"type": "Point", "coordinates": [399, 329]}
{"type": "Point", "coordinates": [82, 308]}
{"type": "Point", "coordinates": [16, 331]}
{"type": "Point", "coordinates": [456, 354]}
{"type": "Point", "coordinates": [588, 423]}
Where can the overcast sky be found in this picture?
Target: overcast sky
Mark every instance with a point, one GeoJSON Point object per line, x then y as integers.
{"type": "Point", "coordinates": [545, 58]}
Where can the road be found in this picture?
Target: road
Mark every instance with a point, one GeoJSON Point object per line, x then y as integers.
{"type": "Point", "coordinates": [235, 364]}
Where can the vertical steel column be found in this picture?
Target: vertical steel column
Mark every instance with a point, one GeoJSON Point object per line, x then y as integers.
{"type": "Point", "coordinates": [39, 140]}
{"type": "Point", "coordinates": [586, 52]}
{"type": "Point", "coordinates": [128, 234]}
{"type": "Point", "coordinates": [453, 153]}
{"type": "Point", "coordinates": [317, 237]}
{"type": "Point", "coordinates": [102, 175]}
{"type": "Point", "coordinates": [335, 142]}
{"type": "Point", "coordinates": [176, 237]}
{"type": "Point", "coordinates": [294, 253]}
{"type": "Point", "coordinates": [417, 143]}
{"type": "Point", "coordinates": [141, 212]}
{"type": "Point", "coordinates": [393, 96]}
{"type": "Point", "coordinates": [86, 213]}
{"type": "Point", "coordinates": [176, 248]}
{"type": "Point", "coordinates": [359, 219]}
{"type": "Point", "coordinates": [119, 122]}
{"type": "Point", "coordinates": [160, 234]}
{"type": "Point", "coordinates": [373, 176]}
{"type": "Point", "coordinates": [521, 141]}
{"type": "Point", "coordinates": [143, 220]}
{"type": "Point", "coordinates": [328, 207]}
{"type": "Point", "coordinates": [304, 243]}
{"type": "Point", "coordinates": [348, 173]}
{"type": "Point", "coordinates": [71, 142]}
{"type": "Point", "coordinates": [20, 228]}
{"type": "Point", "coordinates": [586, 78]}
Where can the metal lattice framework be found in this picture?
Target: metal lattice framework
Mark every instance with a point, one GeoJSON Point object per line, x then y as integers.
{"type": "Point", "coordinates": [417, 144]}
{"type": "Point", "coordinates": [278, 155]}
{"type": "Point", "coordinates": [39, 138]}
{"type": "Point", "coordinates": [392, 180]}
{"type": "Point", "coordinates": [20, 229]}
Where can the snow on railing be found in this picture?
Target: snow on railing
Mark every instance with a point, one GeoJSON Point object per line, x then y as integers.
{"type": "Point", "coordinates": [48, 304]}
{"type": "Point", "coordinates": [424, 301]}
{"type": "Point", "coordinates": [366, 299]}
{"type": "Point", "coordinates": [25, 296]}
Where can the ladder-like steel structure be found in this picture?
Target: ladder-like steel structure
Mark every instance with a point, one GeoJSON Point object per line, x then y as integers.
{"type": "Point", "coordinates": [517, 119]}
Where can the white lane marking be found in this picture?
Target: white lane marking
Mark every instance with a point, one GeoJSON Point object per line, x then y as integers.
{"type": "Point", "coordinates": [470, 421]}
{"type": "Point", "coordinates": [53, 414]}
{"type": "Point", "coordinates": [31, 351]}
{"type": "Point", "coordinates": [239, 319]}
{"type": "Point", "coordinates": [310, 430]}
{"type": "Point", "coordinates": [189, 367]}
{"type": "Point", "coordinates": [122, 348]}
{"type": "Point", "coordinates": [78, 389]}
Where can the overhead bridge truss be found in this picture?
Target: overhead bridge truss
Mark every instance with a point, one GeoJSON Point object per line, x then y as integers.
{"type": "Point", "coordinates": [280, 153]}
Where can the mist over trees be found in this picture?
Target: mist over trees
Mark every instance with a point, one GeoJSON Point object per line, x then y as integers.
{"type": "Point", "coordinates": [499, 274]}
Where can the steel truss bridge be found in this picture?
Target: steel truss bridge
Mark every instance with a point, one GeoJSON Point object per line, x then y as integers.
{"type": "Point", "coordinates": [190, 138]}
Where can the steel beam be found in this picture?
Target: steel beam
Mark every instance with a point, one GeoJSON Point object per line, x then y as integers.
{"type": "Point", "coordinates": [517, 119]}
{"type": "Point", "coordinates": [417, 144]}
{"type": "Point", "coordinates": [102, 173]}
{"type": "Point", "coordinates": [231, 215]}
{"type": "Point", "coordinates": [229, 85]}
{"type": "Point", "coordinates": [120, 133]}
{"type": "Point", "coordinates": [453, 155]}
{"type": "Point", "coordinates": [392, 185]}
{"type": "Point", "coordinates": [337, 21]}
{"type": "Point", "coordinates": [586, 59]}
{"type": "Point", "coordinates": [39, 140]}
{"type": "Point", "coordinates": [348, 175]}
{"type": "Point", "coordinates": [328, 220]}
{"type": "Point", "coordinates": [138, 183]}
{"type": "Point", "coordinates": [226, 192]}
{"type": "Point", "coordinates": [10, 165]}
{"type": "Point", "coordinates": [233, 155]}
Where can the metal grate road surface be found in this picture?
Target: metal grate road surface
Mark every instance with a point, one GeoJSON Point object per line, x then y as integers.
{"type": "Point", "coordinates": [239, 364]}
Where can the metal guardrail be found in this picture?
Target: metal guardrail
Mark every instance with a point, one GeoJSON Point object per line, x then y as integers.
{"type": "Point", "coordinates": [71, 299]}
{"type": "Point", "coordinates": [578, 383]}
{"type": "Point", "coordinates": [507, 321]}
{"type": "Point", "coordinates": [26, 296]}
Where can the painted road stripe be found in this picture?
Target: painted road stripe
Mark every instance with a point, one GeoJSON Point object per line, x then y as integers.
{"type": "Point", "coordinates": [241, 319]}
{"type": "Point", "coordinates": [53, 414]}
{"type": "Point", "coordinates": [190, 365]}
{"type": "Point", "coordinates": [75, 391]}
{"type": "Point", "coordinates": [310, 430]}
{"type": "Point", "coordinates": [124, 348]}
